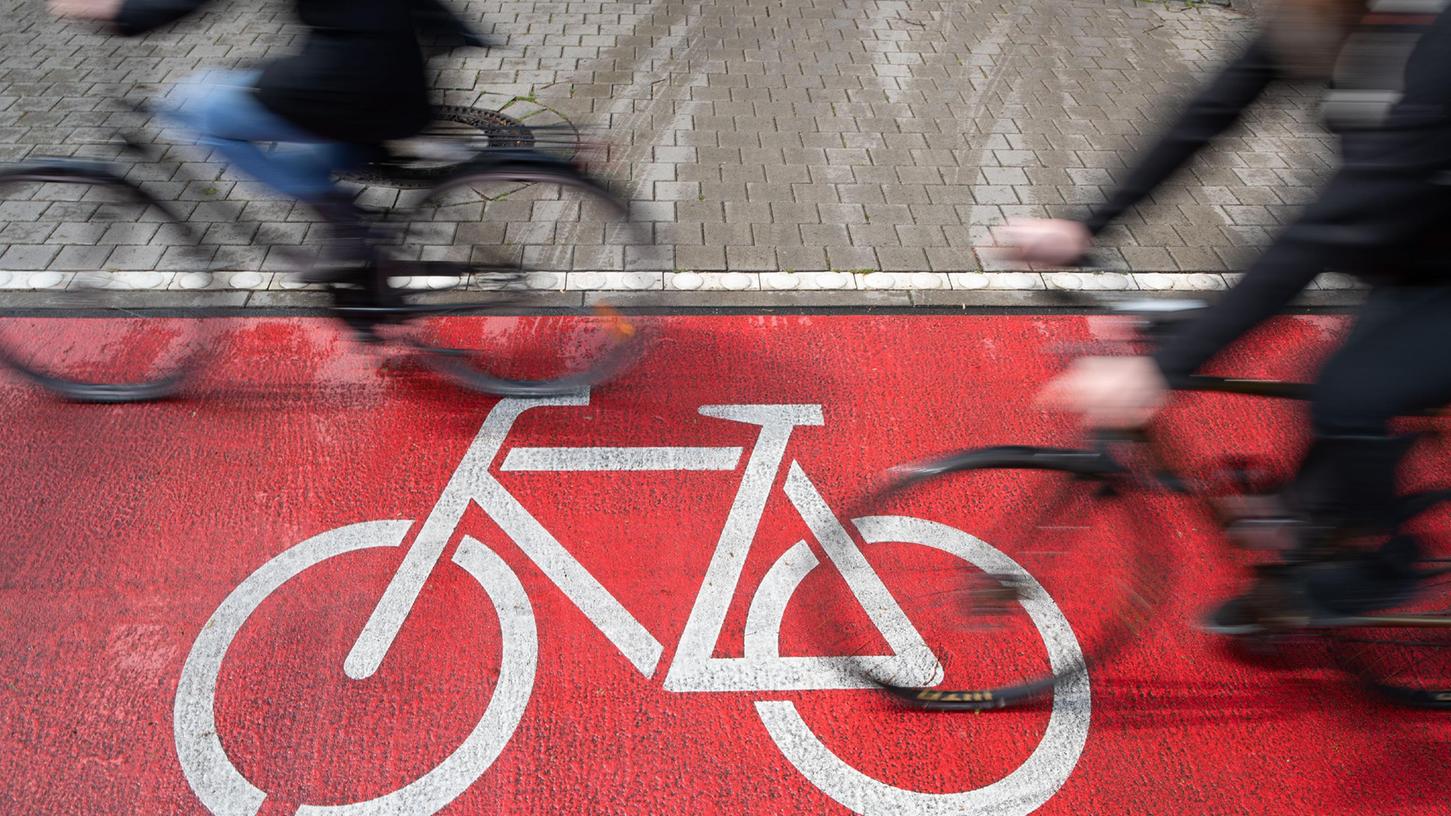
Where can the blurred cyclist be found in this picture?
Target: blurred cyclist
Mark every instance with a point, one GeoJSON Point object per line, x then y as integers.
{"type": "Point", "coordinates": [358, 80]}
{"type": "Point", "coordinates": [1382, 217]}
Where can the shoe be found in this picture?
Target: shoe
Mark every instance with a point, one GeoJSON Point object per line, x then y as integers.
{"type": "Point", "coordinates": [1276, 601]}
{"type": "Point", "coordinates": [1359, 586]}
{"type": "Point", "coordinates": [1236, 617]}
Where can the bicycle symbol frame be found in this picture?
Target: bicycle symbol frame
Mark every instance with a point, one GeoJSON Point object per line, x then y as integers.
{"type": "Point", "coordinates": [226, 792]}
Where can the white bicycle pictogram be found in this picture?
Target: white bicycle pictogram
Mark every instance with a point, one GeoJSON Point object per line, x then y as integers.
{"type": "Point", "coordinates": [223, 789]}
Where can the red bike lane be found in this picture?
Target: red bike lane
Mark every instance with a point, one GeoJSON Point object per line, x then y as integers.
{"type": "Point", "coordinates": [580, 623]}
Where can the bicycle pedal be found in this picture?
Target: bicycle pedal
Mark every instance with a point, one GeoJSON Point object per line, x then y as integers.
{"type": "Point", "coordinates": [617, 324]}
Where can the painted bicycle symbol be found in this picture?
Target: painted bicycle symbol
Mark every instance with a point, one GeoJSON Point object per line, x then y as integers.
{"type": "Point", "coordinates": [223, 789]}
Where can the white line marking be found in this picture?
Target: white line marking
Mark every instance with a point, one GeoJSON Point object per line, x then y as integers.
{"type": "Point", "coordinates": [591, 459]}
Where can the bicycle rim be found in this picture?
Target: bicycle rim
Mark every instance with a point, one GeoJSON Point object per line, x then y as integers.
{"type": "Point", "coordinates": [1073, 544]}
{"type": "Point", "coordinates": [90, 339]}
{"type": "Point", "coordinates": [513, 234]}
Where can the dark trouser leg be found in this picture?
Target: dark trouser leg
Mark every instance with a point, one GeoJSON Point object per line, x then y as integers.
{"type": "Point", "coordinates": [349, 239]}
{"type": "Point", "coordinates": [1397, 360]}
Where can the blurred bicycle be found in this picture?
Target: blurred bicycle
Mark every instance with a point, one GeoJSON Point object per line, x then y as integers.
{"type": "Point", "coordinates": [1082, 522]}
{"type": "Point", "coordinates": [524, 193]}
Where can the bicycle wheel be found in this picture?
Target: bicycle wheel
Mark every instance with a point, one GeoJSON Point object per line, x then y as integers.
{"type": "Point", "coordinates": [1405, 654]}
{"type": "Point", "coordinates": [1073, 540]}
{"type": "Point", "coordinates": [514, 231]}
{"type": "Point", "coordinates": [87, 338]}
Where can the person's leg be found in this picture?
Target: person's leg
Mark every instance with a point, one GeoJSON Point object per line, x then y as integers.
{"type": "Point", "coordinates": [1394, 362]}
{"type": "Point", "coordinates": [222, 109]}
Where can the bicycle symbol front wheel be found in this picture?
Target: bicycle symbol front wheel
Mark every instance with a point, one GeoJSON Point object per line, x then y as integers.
{"type": "Point", "coordinates": [1022, 790]}
{"type": "Point", "coordinates": [215, 778]}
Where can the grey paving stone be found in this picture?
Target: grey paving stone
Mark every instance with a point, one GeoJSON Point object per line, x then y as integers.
{"type": "Point", "coordinates": [1148, 259]}
{"type": "Point", "coordinates": [948, 259]}
{"type": "Point", "coordinates": [903, 259]}
{"type": "Point", "coordinates": [81, 258]}
{"type": "Point", "coordinates": [135, 257]}
{"type": "Point", "coordinates": [851, 257]}
{"type": "Point", "coordinates": [141, 233]}
{"type": "Point", "coordinates": [23, 232]}
{"type": "Point", "coordinates": [750, 258]}
{"type": "Point", "coordinates": [805, 132]}
{"type": "Point", "coordinates": [28, 257]}
{"type": "Point", "coordinates": [185, 258]}
{"type": "Point", "coordinates": [701, 258]}
{"type": "Point", "coordinates": [801, 259]}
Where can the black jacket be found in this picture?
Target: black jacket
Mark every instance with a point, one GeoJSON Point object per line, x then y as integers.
{"type": "Point", "coordinates": [359, 76]}
{"type": "Point", "coordinates": [1383, 215]}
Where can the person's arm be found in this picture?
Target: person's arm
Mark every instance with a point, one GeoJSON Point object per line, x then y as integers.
{"type": "Point", "coordinates": [1209, 113]}
{"type": "Point", "coordinates": [1368, 212]}
{"type": "Point", "coordinates": [1389, 194]}
{"type": "Point", "coordinates": [127, 17]}
{"type": "Point", "coordinates": [140, 16]}
{"type": "Point", "coordinates": [1269, 285]}
{"type": "Point", "coordinates": [1060, 241]}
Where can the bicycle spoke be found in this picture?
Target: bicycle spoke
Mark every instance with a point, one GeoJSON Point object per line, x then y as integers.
{"type": "Point", "coordinates": [521, 228]}
{"type": "Point", "coordinates": [1077, 547]}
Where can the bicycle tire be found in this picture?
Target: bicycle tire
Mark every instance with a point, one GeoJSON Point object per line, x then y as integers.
{"type": "Point", "coordinates": [1407, 665]}
{"type": "Point", "coordinates": [991, 676]}
{"type": "Point", "coordinates": [86, 344]}
{"type": "Point", "coordinates": [559, 203]}
{"type": "Point", "coordinates": [497, 130]}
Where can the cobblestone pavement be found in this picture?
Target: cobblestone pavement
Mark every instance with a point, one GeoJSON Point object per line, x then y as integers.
{"type": "Point", "coordinates": [769, 144]}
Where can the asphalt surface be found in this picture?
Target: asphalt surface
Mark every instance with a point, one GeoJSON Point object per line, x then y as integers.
{"type": "Point", "coordinates": [626, 602]}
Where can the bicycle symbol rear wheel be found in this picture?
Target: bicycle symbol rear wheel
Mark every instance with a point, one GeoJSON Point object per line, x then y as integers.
{"type": "Point", "coordinates": [215, 778]}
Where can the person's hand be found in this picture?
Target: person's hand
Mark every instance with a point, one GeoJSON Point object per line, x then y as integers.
{"type": "Point", "coordinates": [1116, 393]}
{"type": "Point", "coordinates": [1051, 241]}
{"type": "Point", "coordinates": [86, 9]}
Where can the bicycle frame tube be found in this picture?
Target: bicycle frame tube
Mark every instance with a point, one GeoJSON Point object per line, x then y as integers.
{"type": "Point", "coordinates": [1272, 389]}
{"type": "Point", "coordinates": [694, 668]}
{"type": "Point", "coordinates": [1397, 621]}
{"type": "Point", "coordinates": [472, 483]}
{"type": "Point", "coordinates": [1276, 389]}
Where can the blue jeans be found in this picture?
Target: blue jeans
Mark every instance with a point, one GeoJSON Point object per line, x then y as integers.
{"type": "Point", "coordinates": [220, 107]}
